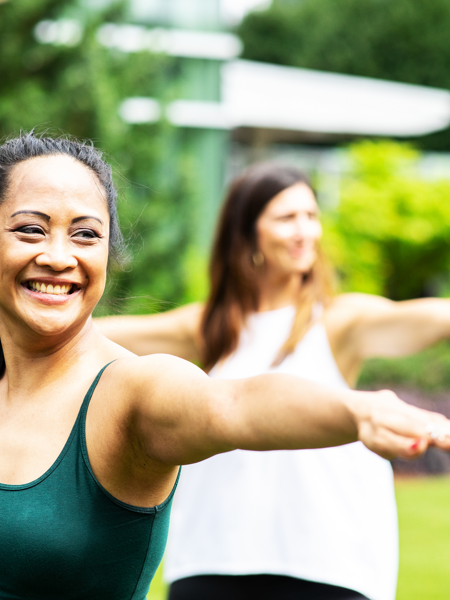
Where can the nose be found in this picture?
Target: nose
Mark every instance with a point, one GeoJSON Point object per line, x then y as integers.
{"type": "Point", "coordinates": [302, 227]}
{"type": "Point", "coordinates": [57, 256]}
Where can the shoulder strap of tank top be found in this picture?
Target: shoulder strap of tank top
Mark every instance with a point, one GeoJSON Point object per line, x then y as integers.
{"type": "Point", "coordinates": [91, 390]}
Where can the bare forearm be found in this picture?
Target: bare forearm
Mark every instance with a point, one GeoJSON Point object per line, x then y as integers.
{"type": "Point", "coordinates": [139, 334]}
{"type": "Point", "coordinates": [274, 411]}
{"type": "Point", "coordinates": [174, 332]}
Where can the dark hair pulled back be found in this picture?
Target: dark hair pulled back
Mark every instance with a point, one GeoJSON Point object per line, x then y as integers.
{"type": "Point", "coordinates": [28, 146]}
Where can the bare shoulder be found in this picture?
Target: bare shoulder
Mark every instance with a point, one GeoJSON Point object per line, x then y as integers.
{"type": "Point", "coordinates": [346, 309]}
{"type": "Point", "coordinates": [132, 379]}
{"type": "Point", "coordinates": [356, 300]}
{"type": "Point", "coordinates": [347, 312]}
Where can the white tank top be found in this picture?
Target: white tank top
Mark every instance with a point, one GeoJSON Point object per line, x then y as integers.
{"type": "Point", "coordinates": [325, 515]}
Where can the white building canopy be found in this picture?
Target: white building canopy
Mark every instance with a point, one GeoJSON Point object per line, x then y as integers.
{"type": "Point", "coordinates": [263, 96]}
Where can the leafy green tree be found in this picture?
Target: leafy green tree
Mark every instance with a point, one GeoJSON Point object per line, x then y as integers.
{"type": "Point", "coordinates": [402, 40]}
{"type": "Point", "coordinates": [390, 234]}
{"type": "Point", "coordinates": [399, 40]}
{"type": "Point", "coordinates": [77, 89]}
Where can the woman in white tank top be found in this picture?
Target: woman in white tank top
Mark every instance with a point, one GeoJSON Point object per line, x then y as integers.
{"type": "Point", "coordinates": [305, 524]}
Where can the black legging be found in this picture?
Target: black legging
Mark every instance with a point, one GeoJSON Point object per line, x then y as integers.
{"type": "Point", "coordinates": [256, 587]}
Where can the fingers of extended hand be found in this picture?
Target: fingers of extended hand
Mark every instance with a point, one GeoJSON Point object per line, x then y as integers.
{"type": "Point", "coordinates": [435, 427]}
{"type": "Point", "coordinates": [389, 444]}
{"type": "Point", "coordinates": [393, 428]}
{"type": "Point", "coordinates": [388, 412]}
{"type": "Point", "coordinates": [438, 431]}
{"type": "Point", "coordinates": [418, 428]}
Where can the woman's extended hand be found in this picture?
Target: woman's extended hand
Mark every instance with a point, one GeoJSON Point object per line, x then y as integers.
{"type": "Point", "coordinates": [391, 428]}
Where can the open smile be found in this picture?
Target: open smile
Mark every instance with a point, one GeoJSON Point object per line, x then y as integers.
{"type": "Point", "coordinates": [55, 292]}
{"type": "Point", "coordinates": [56, 289]}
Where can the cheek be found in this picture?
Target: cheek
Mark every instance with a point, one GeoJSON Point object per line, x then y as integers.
{"type": "Point", "coordinates": [13, 259]}
{"type": "Point", "coordinates": [275, 236]}
{"type": "Point", "coordinates": [95, 270]}
{"type": "Point", "coordinates": [315, 231]}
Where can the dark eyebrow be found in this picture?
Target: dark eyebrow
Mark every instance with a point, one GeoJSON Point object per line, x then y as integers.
{"type": "Point", "coordinates": [86, 217]}
{"type": "Point", "coordinates": [31, 212]}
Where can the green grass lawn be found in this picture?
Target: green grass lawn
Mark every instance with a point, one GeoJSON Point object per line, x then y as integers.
{"type": "Point", "coordinates": [424, 520]}
{"type": "Point", "coordinates": [158, 589]}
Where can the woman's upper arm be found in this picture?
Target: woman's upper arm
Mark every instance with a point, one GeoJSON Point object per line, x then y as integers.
{"type": "Point", "coordinates": [175, 332]}
{"type": "Point", "coordinates": [369, 326]}
{"type": "Point", "coordinates": [174, 408]}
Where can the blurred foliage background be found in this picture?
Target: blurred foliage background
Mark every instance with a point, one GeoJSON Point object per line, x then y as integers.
{"type": "Point", "coordinates": [77, 89]}
{"type": "Point", "coordinates": [389, 233]}
{"type": "Point", "coordinates": [404, 40]}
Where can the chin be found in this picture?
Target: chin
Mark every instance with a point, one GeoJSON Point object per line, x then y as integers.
{"type": "Point", "coordinates": [52, 325]}
{"type": "Point", "coordinates": [50, 329]}
{"type": "Point", "coordinates": [304, 267]}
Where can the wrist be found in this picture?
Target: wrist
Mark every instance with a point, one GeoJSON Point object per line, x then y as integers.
{"type": "Point", "coordinates": [358, 405]}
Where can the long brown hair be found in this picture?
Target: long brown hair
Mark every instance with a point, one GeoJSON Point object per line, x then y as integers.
{"type": "Point", "coordinates": [234, 286]}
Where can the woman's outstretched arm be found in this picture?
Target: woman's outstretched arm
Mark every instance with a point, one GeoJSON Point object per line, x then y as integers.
{"type": "Point", "coordinates": [181, 416]}
{"type": "Point", "coordinates": [382, 327]}
{"type": "Point", "coordinates": [362, 326]}
{"type": "Point", "coordinates": [173, 332]}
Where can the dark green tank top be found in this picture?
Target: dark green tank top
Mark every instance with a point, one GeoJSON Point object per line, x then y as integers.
{"type": "Point", "coordinates": [64, 537]}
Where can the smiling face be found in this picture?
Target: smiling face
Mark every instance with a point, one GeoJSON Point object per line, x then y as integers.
{"type": "Point", "coordinates": [54, 226]}
{"type": "Point", "coordinates": [288, 231]}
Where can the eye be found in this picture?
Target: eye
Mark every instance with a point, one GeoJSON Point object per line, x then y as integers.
{"type": "Point", "coordinates": [86, 234]}
{"type": "Point", "coordinates": [287, 217]}
{"type": "Point", "coordinates": [31, 230]}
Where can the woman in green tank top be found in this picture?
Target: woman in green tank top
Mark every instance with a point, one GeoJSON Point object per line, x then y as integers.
{"type": "Point", "coordinates": [86, 485]}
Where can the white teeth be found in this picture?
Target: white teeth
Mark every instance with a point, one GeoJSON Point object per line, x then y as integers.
{"type": "Point", "coordinates": [49, 289]}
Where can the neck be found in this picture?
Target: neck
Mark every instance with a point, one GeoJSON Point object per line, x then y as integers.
{"type": "Point", "coordinates": [31, 366]}
{"type": "Point", "coordinates": [278, 290]}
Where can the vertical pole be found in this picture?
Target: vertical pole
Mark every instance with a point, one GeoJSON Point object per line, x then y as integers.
{"type": "Point", "coordinates": [201, 80]}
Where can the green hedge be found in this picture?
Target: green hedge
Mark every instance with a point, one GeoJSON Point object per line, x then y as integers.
{"type": "Point", "coordinates": [428, 370]}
